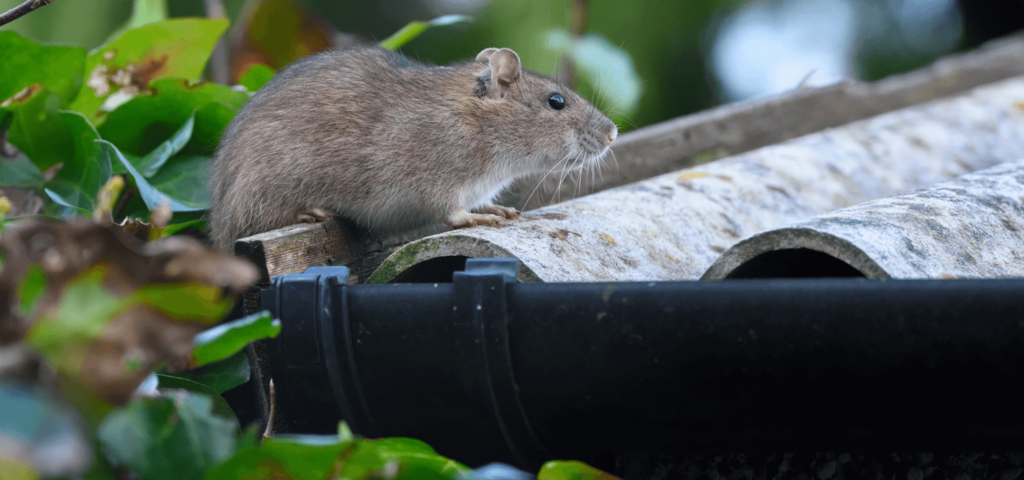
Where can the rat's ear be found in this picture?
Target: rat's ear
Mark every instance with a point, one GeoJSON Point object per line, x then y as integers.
{"type": "Point", "coordinates": [505, 70]}
{"type": "Point", "coordinates": [485, 54]}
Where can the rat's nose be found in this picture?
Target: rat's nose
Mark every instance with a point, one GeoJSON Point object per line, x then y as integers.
{"type": "Point", "coordinates": [613, 134]}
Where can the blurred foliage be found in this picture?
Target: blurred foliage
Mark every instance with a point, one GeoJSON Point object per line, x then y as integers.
{"type": "Point", "coordinates": [667, 40]}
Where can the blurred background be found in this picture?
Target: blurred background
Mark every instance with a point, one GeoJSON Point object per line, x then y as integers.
{"type": "Point", "coordinates": [655, 60]}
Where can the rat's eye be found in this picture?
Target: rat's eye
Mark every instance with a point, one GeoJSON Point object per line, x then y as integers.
{"type": "Point", "coordinates": [556, 101]}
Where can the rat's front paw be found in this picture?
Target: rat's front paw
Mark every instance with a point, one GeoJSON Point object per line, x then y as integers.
{"type": "Point", "coordinates": [507, 212]}
{"type": "Point", "coordinates": [315, 215]}
{"type": "Point", "coordinates": [465, 219]}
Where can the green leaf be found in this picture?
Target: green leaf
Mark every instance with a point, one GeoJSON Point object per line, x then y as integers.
{"type": "Point", "coordinates": [308, 456]}
{"type": "Point", "coordinates": [327, 456]}
{"type": "Point", "coordinates": [33, 286]}
{"type": "Point", "coordinates": [151, 163]}
{"type": "Point", "coordinates": [168, 438]}
{"type": "Point", "coordinates": [174, 228]}
{"type": "Point", "coordinates": [416, 456]}
{"type": "Point", "coordinates": [64, 336]}
{"type": "Point", "coordinates": [149, 193]}
{"type": "Point", "coordinates": [47, 135]}
{"type": "Point", "coordinates": [141, 124]}
{"type": "Point", "coordinates": [219, 405]}
{"type": "Point", "coordinates": [414, 29]}
{"type": "Point", "coordinates": [282, 31]}
{"type": "Point", "coordinates": [145, 12]}
{"type": "Point", "coordinates": [571, 470]}
{"type": "Point", "coordinates": [212, 119]}
{"type": "Point", "coordinates": [185, 302]}
{"type": "Point", "coordinates": [184, 178]}
{"type": "Point", "coordinates": [291, 457]}
{"type": "Point", "coordinates": [42, 432]}
{"type": "Point", "coordinates": [606, 68]}
{"type": "Point", "coordinates": [69, 209]}
{"type": "Point", "coordinates": [83, 174]}
{"type": "Point", "coordinates": [20, 172]}
{"type": "Point", "coordinates": [227, 339]}
{"type": "Point", "coordinates": [172, 48]}
{"type": "Point", "coordinates": [256, 77]}
{"type": "Point", "coordinates": [220, 376]}
{"type": "Point", "coordinates": [25, 63]}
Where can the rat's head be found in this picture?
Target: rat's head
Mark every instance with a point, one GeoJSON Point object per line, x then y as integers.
{"type": "Point", "coordinates": [540, 123]}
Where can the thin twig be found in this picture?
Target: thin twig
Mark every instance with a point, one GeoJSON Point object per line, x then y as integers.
{"type": "Point", "coordinates": [220, 66]}
{"type": "Point", "coordinates": [19, 11]}
{"type": "Point", "coordinates": [269, 431]}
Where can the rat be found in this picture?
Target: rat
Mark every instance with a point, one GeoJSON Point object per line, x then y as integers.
{"type": "Point", "coordinates": [389, 143]}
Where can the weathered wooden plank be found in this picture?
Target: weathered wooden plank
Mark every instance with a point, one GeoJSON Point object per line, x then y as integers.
{"type": "Point", "coordinates": [336, 242]}
{"type": "Point", "coordinates": [674, 226]}
{"type": "Point", "coordinates": [969, 227]}
{"type": "Point", "coordinates": [732, 129]}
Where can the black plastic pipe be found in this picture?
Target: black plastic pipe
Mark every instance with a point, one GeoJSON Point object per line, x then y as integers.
{"type": "Point", "coordinates": [486, 369]}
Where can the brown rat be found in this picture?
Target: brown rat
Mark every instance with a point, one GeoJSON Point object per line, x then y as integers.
{"type": "Point", "coordinates": [390, 143]}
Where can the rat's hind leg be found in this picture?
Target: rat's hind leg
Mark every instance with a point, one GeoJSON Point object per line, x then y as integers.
{"type": "Point", "coordinates": [464, 219]}
{"type": "Point", "coordinates": [507, 212]}
{"type": "Point", "coordinates": [315, 215]}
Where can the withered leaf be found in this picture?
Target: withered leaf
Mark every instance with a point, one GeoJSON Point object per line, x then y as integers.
{"type": "Point", "coordinates": [111, 310]}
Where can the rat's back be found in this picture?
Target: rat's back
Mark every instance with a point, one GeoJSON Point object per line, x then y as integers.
{"type": "Point", "coordinates": [273, 154]}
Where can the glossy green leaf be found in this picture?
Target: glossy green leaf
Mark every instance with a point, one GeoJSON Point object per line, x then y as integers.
{"type": "Point", "coordinates": [168, 438]}
{"type": "Point", "coordinates": [220, 376]}
{"type": "Point", "coordinates": [571, 470]}
{"type": "Point", "coordinates": [141, 124]}
{"type": "Point", "coordinates": [48, 137]}
{"type": "Point", "coordinates": [151, 163]}
{"type": "Point", "coordinates": [227, 339]}
{"type": "Point", "coordinates": [184, 179]}
{"type": "Point", "coordinates": [607, 69]}
{"type": "Point", "coordinates": [150, 195]}
{"type": "Point", "coordinates": [172, 48]}
{"type": "Point", "coordinates": [256, 77]}
{"type": "Point", "coordinates": [25, 63]}
{"type": "Point", "coordinates": [20, 172]}
{"type": "Point", "coordinates": [83, 174]}
{"type": "Point", "coordinates": [415, 455]}
{"type": "Point", "coordinates": [44, 133]}
{"type": "Point", "coordinates": [67, 208]}
{"type": "Point", "coordinates": [41, 432]}
{"type": "Point", "coordinates": [218, 405]}
{"type": "Point", "coordinates": [414, 29]}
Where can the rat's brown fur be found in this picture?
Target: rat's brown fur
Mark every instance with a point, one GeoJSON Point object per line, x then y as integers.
{"type": "Point", "coordinates": [390, 143]}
